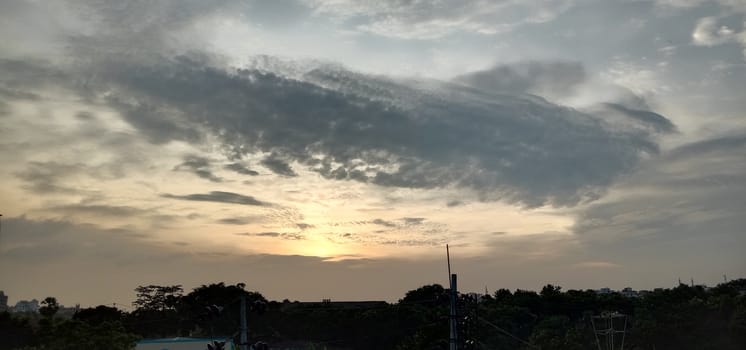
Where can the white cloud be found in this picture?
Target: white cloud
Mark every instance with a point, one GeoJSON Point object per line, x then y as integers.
{"type": "Point", "coordinates": [432, 20]}
{"type": "Point", "coordinates": [640, 79]}
{"type": "Point", "coordinates": [732, 5]}
{"type": "Point", "coordinates": [710, 32]}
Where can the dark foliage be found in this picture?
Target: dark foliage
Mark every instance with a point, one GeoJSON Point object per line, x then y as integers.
{"type": "Point", "coordinates": [683, 317]}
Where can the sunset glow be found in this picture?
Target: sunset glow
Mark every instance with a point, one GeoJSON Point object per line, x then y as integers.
{"type": "Point", "coordinates": [294, 147]}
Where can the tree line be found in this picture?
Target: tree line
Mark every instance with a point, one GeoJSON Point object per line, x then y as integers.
{"type": "Point", "coordinates": [684, 317]}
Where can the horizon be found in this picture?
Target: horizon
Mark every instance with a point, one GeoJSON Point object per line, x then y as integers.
{"type": "Point", "coordinates": [332, 148]}
{"type": "Point", "coordinates": [129, 307]}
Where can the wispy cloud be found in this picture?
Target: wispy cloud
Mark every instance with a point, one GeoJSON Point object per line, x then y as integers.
{"type": "Point", "coordinates": [220, 197]}
{"type": "Point", "coordinates": [241, 169]}
{"type": "Point", "coordinates": [433, 20]}
{"type": "Point", "coordinates": [200, 166]}
{"type": "Point", "coordinates": [282, 235]}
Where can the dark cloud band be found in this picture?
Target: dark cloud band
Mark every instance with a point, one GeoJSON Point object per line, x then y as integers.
{"type": "Point", "coordinates": [220, 197]}
{"type": "Point", "coordinates": [344, 125]}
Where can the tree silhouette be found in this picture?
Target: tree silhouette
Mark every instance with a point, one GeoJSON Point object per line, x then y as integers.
{"type": "Point", "coordinates": [49, 307]}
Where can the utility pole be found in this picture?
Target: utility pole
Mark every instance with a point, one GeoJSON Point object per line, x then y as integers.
{"type": "Point", "coordinates": [244, 330]}
{"type": "Point", "coordinates": [453, 339]}
{"type": "Point", "coordinates": [604, 328]}
{"type": "Point", "coordinates": [454, 314]}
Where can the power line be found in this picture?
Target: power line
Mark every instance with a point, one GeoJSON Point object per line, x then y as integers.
{"type": "Point", "coordinates": [608, 331]}
{"type": "Point", "coordinates": [508, 333]}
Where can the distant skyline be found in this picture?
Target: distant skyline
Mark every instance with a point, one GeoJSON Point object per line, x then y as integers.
{"type": "Point", "coordinates": [331, 148]}
{"type": "Point", "coordinates": [601, 290]}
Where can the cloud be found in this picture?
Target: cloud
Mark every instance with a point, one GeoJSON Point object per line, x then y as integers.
{"type": "Point", "coordinates": [238, 220]}
{"type": "Point", "coordinates": [304, 226]}
{"type": "Point", "coordinates": [241, 169]}
{"type": "Point", "coordinates": [199, 166]}
{"type": "Point", "coordinates": [158, 123]}
{"type": "Point", "coordinates": [427, 20]}
{"type": "Point", "coordinates": [278, 166]}
{"type": "Point", "coordinates": [347, 126]}
{"type": "Point", "coordinates": [398, 133]}
{"type": "Point", "coordinates": [691, 192]}
{"type": "Point", "coordinates": [709, 147]}
{"type": "Point", "coordinates": [385, 223]}
{"type": "Point", "coordinates": [385, 238]}
{"type": "Point", "coordinates": [413, 221]}
{"type": "Point", "coordinates": [475, 135]}
{"type": "Point", "coordinates": [144, 26]}
{"type": "Point", "coordinates": [454, 203]}
{"type": "Point", "coordinates": [220, 197]}
{"type": "Point", "coordinates": [654, 120]}
{"type": "Point", "coordinates": [15, 94]}
{"type": "Point", "coordinates": [52, 177]}
{"type": "Point", "coordinates": [97, 210]}
{"type": "Point", "coordinates": [406, 231]}
{"type": "Point", "coordinates": [267, 234]}
{"type": "Point", "coordinates": [554, 79]}
{"type": "Point", "coordinates": [709, 31]}
{"type": "Point", "coordinates": [732, 5]}
{"type": "Point", "coordinates": [568, 81]}
{"type": "Point", "coordinates": [282, 235]}
{"type": "Point", "coordinates": [45, 177]}
{"type": "Point", "coordinates": [415, 242]}
{"type": "Point", "coordinates": [45, 241]}
{"type": "Point", "coordinates": [118, 260]}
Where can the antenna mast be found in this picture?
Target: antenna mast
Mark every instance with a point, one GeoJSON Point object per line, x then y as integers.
{"type": "Point", "coordinates": [453, 338]}
{"type": "Point", "coordinates": [448, 258]}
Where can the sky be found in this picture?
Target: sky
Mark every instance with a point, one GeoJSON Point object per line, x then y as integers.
{"type": "Point", "coordinates": [332, 148]}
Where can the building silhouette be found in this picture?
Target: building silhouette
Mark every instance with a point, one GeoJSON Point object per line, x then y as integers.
{"type": "Point", "coordinates": [3, 301]}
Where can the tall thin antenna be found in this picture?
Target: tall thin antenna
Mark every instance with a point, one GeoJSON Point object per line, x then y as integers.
{"type": "Point", "coordinates": [453, 324]}
{"type": "Point", "coordinates": [448, 257]}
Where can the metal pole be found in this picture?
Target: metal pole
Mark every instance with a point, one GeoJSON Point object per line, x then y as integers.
{"type": "Point", "coordinates": [595, 332]}
{"type": "Point", "coordinates": [448, 258]}
{"type": "Point", "coordinates": [454, 325]}
{"type": "Point", "coordinates": [244, 329]}
{"type": "Point", "coordinates": [624, 334]}
{"type": "Point", "coordinates": [611, 329]}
